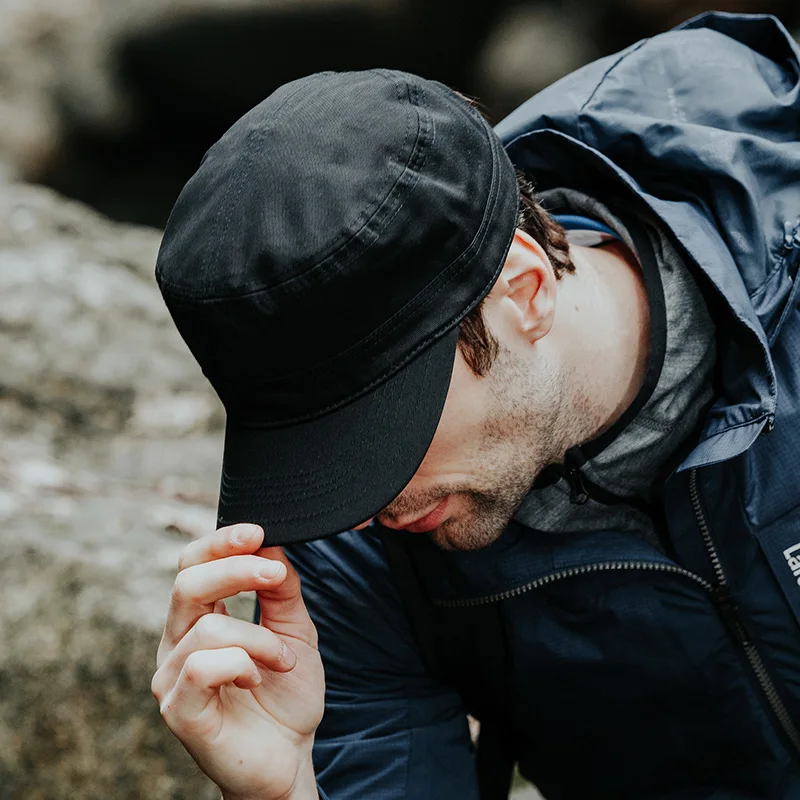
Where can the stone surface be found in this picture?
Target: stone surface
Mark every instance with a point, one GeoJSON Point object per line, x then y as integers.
{"type": "Point", "coordinates": [27, 120]}
{"type": "Point", "coordinates": [84, 331]}
{"type": "Point", "coordinates": [109, 458]}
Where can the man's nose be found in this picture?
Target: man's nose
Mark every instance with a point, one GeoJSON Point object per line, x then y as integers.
{"type": "Point", "coordinates": [364, 524]}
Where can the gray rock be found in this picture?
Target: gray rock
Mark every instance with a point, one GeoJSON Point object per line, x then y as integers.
{"type": "Point", "coordinates": [83, 330]}
{"type": "Point", "coordinates": [109, 459]}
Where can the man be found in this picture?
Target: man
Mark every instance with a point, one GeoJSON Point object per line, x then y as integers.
{"type": "Point", "coordinates": [568, 421]}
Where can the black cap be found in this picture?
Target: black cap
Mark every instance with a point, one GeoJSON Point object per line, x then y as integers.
{"type": "Point", "coordinates": [318, 264]}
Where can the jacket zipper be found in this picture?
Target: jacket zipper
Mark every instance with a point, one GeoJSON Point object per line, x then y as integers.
{"type": "Point", "coordinates": [729, 611]}
{"type": "Point", "coordinates": [602, 566]}
{"type": "Point", "coordinates": [720, 595]}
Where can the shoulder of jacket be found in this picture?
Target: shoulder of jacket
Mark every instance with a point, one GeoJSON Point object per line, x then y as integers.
{"type": "Point", "coordinates": [716, 33]}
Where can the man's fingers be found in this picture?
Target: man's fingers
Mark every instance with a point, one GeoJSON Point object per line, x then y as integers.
{"type": "Point", "coordinates": [231, 541]}
{"type": "Point", "coordinates": [198, 588]}
{"type": "Point", "coordinates": [221, 608]}
{"type": "Point", "coordinates": [203, 672]}
{"type": "Point", "coordinates": [282, 606]}
{"type": "Point", "coordinates": [218, 632]}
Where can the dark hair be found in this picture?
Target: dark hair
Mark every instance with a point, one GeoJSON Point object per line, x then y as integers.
{"type": "Point", "coordinates": [477, 343]}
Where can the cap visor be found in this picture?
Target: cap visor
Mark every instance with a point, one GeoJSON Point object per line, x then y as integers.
{"type": "Point", "coordinates": [324, 476]}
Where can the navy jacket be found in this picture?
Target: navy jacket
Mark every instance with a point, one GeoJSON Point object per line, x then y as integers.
{"type": "Point", "coordinates": [629, 674]}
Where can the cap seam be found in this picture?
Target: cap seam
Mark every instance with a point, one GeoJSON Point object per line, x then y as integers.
{"type": "Point", "coordinates": [438, 333]}
{"type": "Point", "coordinates": [237, 193]}
{"type": "Point", "coordinates": [365, 216]}
{"type": "Point", "coordinates": [350, 469]}
{"type": "Point", "coordinates": [321, 512]}
{"type": "Point", "coordinates": [460, 263]}
{"type": "Point", "coordinates": [350, 238]}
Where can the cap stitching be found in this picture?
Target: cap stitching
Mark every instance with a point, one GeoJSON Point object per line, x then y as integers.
{"type": "Point", "coordinates": [436, 334]}
{"type": "Point", "coordinates": [455, 267]}
{"type": "Point", "coordinates": [428, 294]}
{"type": "Point", "coordinates": [312, 515]}
{"type": "Point", "coordinates": [350, 238]}
{"type": "Point", "coordinates": [304, 490]}
{"type": "Point", "coordinates": [353, 229]}
{"type": "Point", "coordinates": [248, 161]}
{"type": "Point", "coordinates": [462, 262]}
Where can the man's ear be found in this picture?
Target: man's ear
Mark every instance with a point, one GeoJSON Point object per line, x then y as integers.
{"type": "Point", "coordinates": [527, 287]}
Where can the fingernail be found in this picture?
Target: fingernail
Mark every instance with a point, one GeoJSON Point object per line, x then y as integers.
{"type": "Point", "coordinates": [270, 570]}
{"type": "Point", "coordinates": [258, 680]}
{"type": "Point", "coordinates": [288, 656]}
{"type": "Point", "coordinates": [244, 534]}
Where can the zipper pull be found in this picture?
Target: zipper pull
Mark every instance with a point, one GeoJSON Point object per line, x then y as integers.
{"type": "Point", "coordinates": [577, 491]}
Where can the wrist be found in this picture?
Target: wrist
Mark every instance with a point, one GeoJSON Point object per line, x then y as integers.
{"type": "Point", "coordinates": [304, 787]}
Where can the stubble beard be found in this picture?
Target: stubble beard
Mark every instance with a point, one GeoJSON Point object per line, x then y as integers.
{"type": "Point", "coordinates": [535, 419]}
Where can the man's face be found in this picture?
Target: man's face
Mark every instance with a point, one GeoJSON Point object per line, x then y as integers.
{"type": "Point", "coordinates": [496, 433]}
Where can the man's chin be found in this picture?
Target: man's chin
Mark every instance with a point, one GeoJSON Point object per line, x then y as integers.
{"type": "Point", "coordinates": [449, 536]}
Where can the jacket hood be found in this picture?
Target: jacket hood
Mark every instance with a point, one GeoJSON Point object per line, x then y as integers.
{"type": "Point", "coordinates": [700, 132]}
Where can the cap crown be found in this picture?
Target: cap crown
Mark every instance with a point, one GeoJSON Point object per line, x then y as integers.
{"type": "Point", "coordinates": [330, 235]}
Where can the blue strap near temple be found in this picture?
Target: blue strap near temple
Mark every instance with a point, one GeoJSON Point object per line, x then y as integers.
{"type": "Point", "coordinates": [585, 231]}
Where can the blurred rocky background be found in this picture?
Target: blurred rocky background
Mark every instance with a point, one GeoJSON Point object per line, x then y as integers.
{"type": "Point", "coordinates": [113, 102]}
{"type": "Point", "coordinates": [109, 436]}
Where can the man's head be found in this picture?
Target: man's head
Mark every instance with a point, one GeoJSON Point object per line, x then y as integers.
{"type": "Point", "coordinates": [325, 264]}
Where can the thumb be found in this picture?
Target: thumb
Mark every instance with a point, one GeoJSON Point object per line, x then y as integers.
{"type": "Point", "coordinates": [282, 608]}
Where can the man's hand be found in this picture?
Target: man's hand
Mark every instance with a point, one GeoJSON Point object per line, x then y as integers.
{"type": "Point", "coordinates": [244, 699]}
